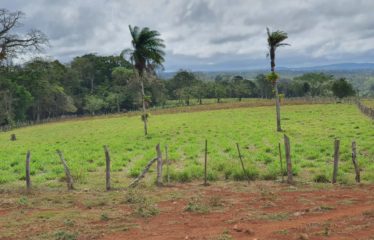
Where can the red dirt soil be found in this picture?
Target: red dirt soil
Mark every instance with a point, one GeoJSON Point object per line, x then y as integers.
{"type": "Point", "coordinates": [337, 213]}
{"type": "Point", "coordinates": [228, 210]}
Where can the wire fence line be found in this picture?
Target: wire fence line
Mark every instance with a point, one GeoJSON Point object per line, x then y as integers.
{"type": "Point", "coordinates": [365, 109]}
{"type": "Point", "coordinates": [204, 107]}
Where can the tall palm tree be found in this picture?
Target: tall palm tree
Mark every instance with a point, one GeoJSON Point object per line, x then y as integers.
{"type": "Point", "coordinates": [145, 55]}
{"type": "Point", "coordinates": [275, 40]}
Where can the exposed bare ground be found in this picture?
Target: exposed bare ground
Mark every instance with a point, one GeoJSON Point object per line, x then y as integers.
{"type": "Point", "coordinates": [234, 210]}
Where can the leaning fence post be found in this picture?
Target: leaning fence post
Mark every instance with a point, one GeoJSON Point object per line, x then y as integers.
{"type": "Point", "coordinates": [69, 179]}
{"type": "Point", "coordinates": [288, 159]}
{"type": "Point", "coordinates": [355, 163]}
{"type": "Point", "coordinates": [28, 179]}
{"type": "Point", "coordinates": [159, 165]}
{"type": "Point", "coordinates": [241, 161]}
{"type": "Point", "coordinates": [280, 160]}
{"type": "Point", "coordinates": [336, 160]}
{"type": "Point", "coordinates": [205, 163]}
{"type": "Point", "coordinates": [107, 167]}
{"type": "Point", "coordinates": [167, 163]}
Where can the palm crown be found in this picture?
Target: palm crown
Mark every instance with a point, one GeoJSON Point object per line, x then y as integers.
{"type": "Point", "coordinates": [275, 40]}
{"type": "Point", "coordinates": [147, 53]}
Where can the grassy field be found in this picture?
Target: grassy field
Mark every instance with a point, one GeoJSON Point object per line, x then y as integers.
{"type": "Point", "coordinates": [368, 102]}
{"type": "Point", "coordinates": [311, 128]}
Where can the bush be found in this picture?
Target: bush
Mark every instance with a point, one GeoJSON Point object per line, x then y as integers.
{"type": "Point", "coordinates": [239, 175]}
{"type": "Point", "coordinates": [184, 177]}
{"type": "Point", "coordinates": [195, 204]}
{"type": "Point", "coordinates": [134, 195]}
{"type": "Point", "coordinates": [269, 175]}
{"type": "Point", "coordinates": [104, 217]}
{"type": "Point", "coordinates": [61, 235]}
{"type": "Point", "coordinates": [146, 209]}
{"type": "Point", "coordinates": [321, 178]}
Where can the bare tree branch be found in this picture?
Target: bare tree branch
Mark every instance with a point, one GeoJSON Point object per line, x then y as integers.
{"type": "Point", "coordinates": [12, 44]}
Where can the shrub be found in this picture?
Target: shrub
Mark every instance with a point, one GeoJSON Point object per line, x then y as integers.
{"type": "Point", "coordinates": [270, 174]}
{"type": "Point", "coordinates": [134, 195]}
{"type": "Point", "coordinates": [104, 217]}
{"type": "Point", "coordinates": [195, 204]}
{"type": "Point", "coordinates": [184, 176]}
{"type": "Point", "coordinates": [321, 178]}
{"type": "Point", "coordinates": [239, 175]}
{"type": "Point", "coordinates": [146, 209]}
{"type": "Point", "coordinates": [61, 235]}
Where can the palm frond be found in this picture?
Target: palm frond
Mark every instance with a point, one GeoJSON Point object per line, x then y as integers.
{"type": "Point", "coordinates": [147, 53]}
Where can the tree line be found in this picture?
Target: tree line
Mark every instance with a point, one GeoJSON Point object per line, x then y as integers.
{"type": "Point", "coordinates": [92, 84]}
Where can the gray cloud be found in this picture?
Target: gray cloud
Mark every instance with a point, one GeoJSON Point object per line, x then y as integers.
{"type": "Point", "coordinates": [209, 34]}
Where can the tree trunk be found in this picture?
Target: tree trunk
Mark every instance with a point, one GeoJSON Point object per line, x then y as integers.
{"type": "Point", "coordinates": [92, 85]}
{"type": "Point", "coordinates": [118, 107]}
{"type": "Point", "coordinates": [145, 119]}
{"type": "Point", "coordinates": [277, 103]}
{"type": "Point", "coordinates": [277, 107]}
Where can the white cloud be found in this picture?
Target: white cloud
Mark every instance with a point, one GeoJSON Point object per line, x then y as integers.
{"type": "Point", "coordinates": [198, 33]}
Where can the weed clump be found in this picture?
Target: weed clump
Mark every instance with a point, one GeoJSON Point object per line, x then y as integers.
{"type": "Point", "coordinates": [321, 178]}
{"type": "Point", "coordinates": [195, 204]}
{"type": "Point", "coordinates": [144, 207]}
{"type": "Point", "coordinates": [62, 235]}
{"type": "Point", "coordinates": [239, 175]}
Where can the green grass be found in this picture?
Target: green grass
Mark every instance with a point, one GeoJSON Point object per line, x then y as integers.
{"type": "Point", "coordinates": [368, 102]}
{"type": "Point", "coordinates": [311, 128]}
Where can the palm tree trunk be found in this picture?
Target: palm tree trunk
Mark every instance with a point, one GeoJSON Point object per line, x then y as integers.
{"type": "Point", "coordinates": [277, 106]}
{"type": "Point", "coordinates": [144, 108]}
{"type": "Point", "coordinates": [277, 102]}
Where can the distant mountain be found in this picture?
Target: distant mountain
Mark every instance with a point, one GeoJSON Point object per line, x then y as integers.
{"type": "Point", "coordinates": [334, 67]}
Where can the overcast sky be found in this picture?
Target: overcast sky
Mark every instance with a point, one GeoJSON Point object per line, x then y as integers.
{"type": "Point", "coordinates": [208, 34]}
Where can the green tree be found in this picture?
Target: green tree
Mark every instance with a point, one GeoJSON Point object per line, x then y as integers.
{"type": "Point", "coordinates": [275, 40]}
{"type": "Point", "coordinates": [264, 86]}
{"type": "Point", "coordinates": [146, 55]}
{"type": "Point", "coordinates": [341, 88]}
{"type": "Point", "coordinates": [93, 104]}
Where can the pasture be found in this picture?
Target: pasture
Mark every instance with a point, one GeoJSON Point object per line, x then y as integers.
{"type": "Point", "coordinates": [311, 128]}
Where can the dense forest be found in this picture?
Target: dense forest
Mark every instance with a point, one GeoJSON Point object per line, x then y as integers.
{"type": "Point", "coordinates": [92, 84]}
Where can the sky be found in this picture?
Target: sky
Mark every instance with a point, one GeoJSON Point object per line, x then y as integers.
{"type": "Point", "coordinates": [208, 35]}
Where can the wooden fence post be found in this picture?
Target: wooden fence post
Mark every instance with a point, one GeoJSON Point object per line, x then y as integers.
{"type": "Point", "coordinates": [69, 179]}
{"type": "Point", "coordinates": [205, 163]}
{"type": "Point", "coordinates": [241, 161]}
{"type": "Point", "coordinates": [167, 163]}
{"type": "Point", "coordinates": [28, 179]}
{"type": "Point", "coordinates": [107, 169]}
{"type": "Point", "coordinates": [13, 137]}
{"type": "Point", "coordinates": [288, 159]}
{"type": "Point", "coordinates": [355, 163]}
{"type": "Point", "coordinates": [280, 160]}
{"type": "Point", "coordinates": [142, 174]}
{"type": "Point", "coordinates": [159, 165]}
{"type": "Point", "coordinates": [336, 160]}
